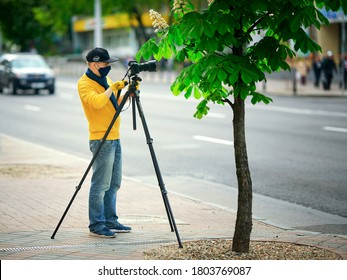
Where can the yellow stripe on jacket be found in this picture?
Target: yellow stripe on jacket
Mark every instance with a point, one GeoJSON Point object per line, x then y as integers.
{"type": "Point", "coordinates": [98, 109]}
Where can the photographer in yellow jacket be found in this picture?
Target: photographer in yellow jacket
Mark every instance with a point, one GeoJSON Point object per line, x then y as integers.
{"type": "Point", "coordinates": [97, 93]}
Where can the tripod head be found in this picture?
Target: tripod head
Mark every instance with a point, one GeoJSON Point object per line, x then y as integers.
{"type": "Point", "coordinates": [134, 84]}
{"type": "Point", "coordinates": [136, 78]}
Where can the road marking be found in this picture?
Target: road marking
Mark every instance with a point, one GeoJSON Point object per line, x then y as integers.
{"type": "Point", "coordinates": [66, 96]}
{"type": "Point", "coordinates": [32, 108]}
{"type": "Point", "coordinates": [298, 111]}
{"type": "Point", "coordinates": [338, 129]}
{"type": "Point", "coordinates": [213, 140]}
{"type": "Point", "coordinates": [216, 115]}
{"type": "Point", "coordinates": [68, 85]}
{"type": "Point", "coordinates": [180, 146]}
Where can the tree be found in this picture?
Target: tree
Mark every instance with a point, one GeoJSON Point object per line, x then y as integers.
{"type": "Point", "coordinates": [17, 23]}
{"type": "Point", "coordinates": [227, 64]}
{"type": "Point", "coordinates": [26, 21]}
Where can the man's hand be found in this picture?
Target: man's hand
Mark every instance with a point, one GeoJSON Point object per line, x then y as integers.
{"type": "Point", "coordinates": [137, 85]}
{"type": "Point", "coordinates": [118, 85]}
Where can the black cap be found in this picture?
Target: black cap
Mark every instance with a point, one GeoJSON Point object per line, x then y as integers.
{"type": "Point", "coordinates": [100, 55]}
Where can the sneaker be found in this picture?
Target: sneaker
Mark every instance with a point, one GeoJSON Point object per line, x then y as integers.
{"type": "Point", "coordinates": [120, 228]}
{"type": "Point", "coordinates": [104, 233]}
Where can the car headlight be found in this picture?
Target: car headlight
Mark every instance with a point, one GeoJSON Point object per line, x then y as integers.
{"type": "Point", "coordinates": [21, 75]}
{"type": "Point", "coordinates": [50, 75]}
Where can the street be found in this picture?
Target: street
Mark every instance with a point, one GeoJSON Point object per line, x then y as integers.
{"type": "Point", "coordinates": [296, 149]}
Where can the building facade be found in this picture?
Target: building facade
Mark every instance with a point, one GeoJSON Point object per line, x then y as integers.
{"type": "Point", "coordinates": [333, 36]}
{"type": "Point", "coordinates": [119, 33]}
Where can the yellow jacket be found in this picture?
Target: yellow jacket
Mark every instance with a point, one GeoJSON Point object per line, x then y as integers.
{"type": "Point", "coordinates": [98, 109]}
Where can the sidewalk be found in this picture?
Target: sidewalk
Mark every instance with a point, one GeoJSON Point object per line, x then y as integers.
{"type": "Point", "coordinates": [37, 183]}
{"type": "Point", "coordinates": [285, 87]}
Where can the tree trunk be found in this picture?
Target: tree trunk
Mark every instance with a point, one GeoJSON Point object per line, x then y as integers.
{"type": "Point", "coordinates": [243, 225]}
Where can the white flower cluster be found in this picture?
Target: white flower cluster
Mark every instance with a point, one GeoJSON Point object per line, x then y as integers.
{"type": "Point", "coordinates": [180, 6]}
{"type": "Point", "coordinates": [158, 21]}
{"type": "Point", "coordinates": [209, 2]}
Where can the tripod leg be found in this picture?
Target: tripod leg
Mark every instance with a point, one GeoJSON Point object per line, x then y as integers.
{"type": "Point", "coordinates": [65, 212]}
{"type": "Point", "coordinates": [157, 171]}
{"type": "Point", "coordinates": [134, 112]}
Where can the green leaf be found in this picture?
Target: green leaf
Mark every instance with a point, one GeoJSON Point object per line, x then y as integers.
{"type": "Point", "coordinates": [211, 75]}
{"type": "Point", "coordinates": [197, 31]}
{"type": "Point", "coordinates": [244, 93]}
{"type": "Point", "coordinates": [246, 77]}
{"type": "Point", "coordinates": [208, 44]}
{"type": "Point", "coordinates": [158, 56]}
{"type": "Point", "coordinates": [258, 97]}
{"type": "Point", "coordinates": [176, 37]}
{"type": "Point", "coordinates": [211, 60]}
{"type": "Point", "coordinates": [233, 77]}
{"type": "Point", "coordinates": [305, 44]}
{"type": "Point", "coordinates": [192, 26]}
{"type": "Point", "coordinates": [202, 109]}
{"type": "Point", "coordinates": [147, 50]}
{"type": "Point", "coordinates": [295, 23]}
{"type": "Point", "coordinates": [175, 89]}
{"type": "Point", "coordinates": [196, 56]}
{"type": "Point", "coordinates": [208, 29]}
{"type": "Point", "coordinates": [223, 28]}
{"type": "Point", "coordinates": [259, 5]}
{"type": "Point", "coordinates": [222, 76]}
{"type": "Point", "coordinates": [188, 92]}
{"type": "Point", "coordinates": [322, 18]}
{"type": "Point", "coordinates": [167, 53]}
{"type": "Point", "coordinates": [178, 86]}
{"type": "Point", "coordinates": [212, 45]}
{"type": "Point", "coordinates": [197, 93]}
{"type": "Point", "coordinates": [181, 55]}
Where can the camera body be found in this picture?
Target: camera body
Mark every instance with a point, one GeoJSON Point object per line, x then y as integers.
{"type": "Point", "coordinates": [135, 67]}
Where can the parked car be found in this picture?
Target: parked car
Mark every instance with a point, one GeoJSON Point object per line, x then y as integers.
{"type": "Point", "coordinates": [24, 71]}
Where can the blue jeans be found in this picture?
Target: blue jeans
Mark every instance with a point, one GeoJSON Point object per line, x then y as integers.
{"type": "Point", "coordinates": [105, 182]}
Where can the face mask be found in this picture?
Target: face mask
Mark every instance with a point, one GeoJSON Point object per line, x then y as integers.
{"type": "Point", "coordinates": [104, 71]}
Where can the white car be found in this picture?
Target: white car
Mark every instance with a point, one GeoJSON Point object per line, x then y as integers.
{"type": "Point", "coordinates": [25, 71]}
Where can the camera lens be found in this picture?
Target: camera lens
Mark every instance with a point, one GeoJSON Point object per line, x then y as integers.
{"type": "Point", "coordinates": [150, 66]}
{"type": "Point", "coordinates": [135, 68]}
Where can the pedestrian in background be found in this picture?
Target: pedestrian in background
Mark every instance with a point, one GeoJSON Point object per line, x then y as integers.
{"type": "Point", "coordinates": [96, 91]}
{"type": "Point", "coordinates": [328, 69]}
{"type": "Point", "coordinates": [302, 69]}
{"type": "Point", "coordinates": [317, 69]}
{"type": "Point", "coordinates": [344, 70]}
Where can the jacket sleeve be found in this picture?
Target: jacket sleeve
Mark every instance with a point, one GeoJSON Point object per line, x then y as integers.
{"type": "Point", "coordinates": [90, 96]}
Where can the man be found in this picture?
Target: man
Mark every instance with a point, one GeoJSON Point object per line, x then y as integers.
{"type": "Point", "coordinates": [328, 69]}
{"type": "Point", "coordinates": [317, 69]}
{"type": "Point", "coordinates": [344, 70]}
{"type": "Point", "coordinates": [96, 91]}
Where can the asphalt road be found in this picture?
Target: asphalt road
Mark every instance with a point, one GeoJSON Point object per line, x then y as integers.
{"type": "Point", "coordinates": [297, 149]}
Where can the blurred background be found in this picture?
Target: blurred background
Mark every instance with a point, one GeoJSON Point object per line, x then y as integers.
{"type": "Point", "coordinates": [64, 30]}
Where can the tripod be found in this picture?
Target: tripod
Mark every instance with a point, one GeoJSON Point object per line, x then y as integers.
{"type": "Point", "coordinates": [134, 94]}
